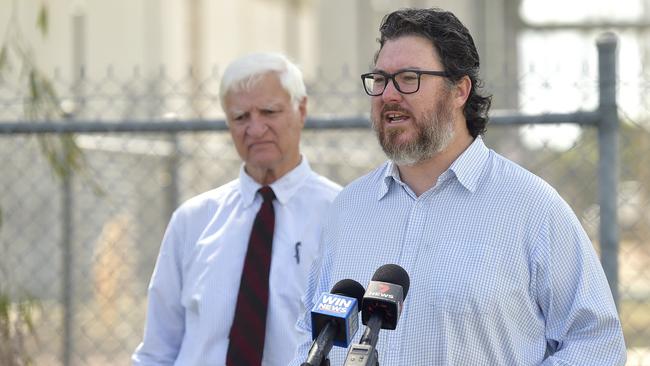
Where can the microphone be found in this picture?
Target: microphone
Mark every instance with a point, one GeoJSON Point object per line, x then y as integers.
{"type": "Point", "coordinates": [334, 320]}
{"type": "Point", "coordinates": [381, 307]}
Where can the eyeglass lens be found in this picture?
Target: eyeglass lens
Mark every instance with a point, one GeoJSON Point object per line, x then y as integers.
{"type": "Point", "coordinates": [404, 81]}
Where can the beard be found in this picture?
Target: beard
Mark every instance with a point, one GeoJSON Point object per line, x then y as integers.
{"type": "Point", "coordinates": [434, 131]}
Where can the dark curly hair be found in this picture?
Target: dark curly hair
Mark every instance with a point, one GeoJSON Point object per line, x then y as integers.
{"type": "Point", "coordinates": [457, 52]}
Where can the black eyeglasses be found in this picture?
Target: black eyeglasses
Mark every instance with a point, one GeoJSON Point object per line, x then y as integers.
{"type": "Point", "coordinates": [405, 81]}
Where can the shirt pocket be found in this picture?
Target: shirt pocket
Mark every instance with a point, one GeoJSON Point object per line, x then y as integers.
{"type": "Point", "coordinates": [458, 283]}
{"type": "Point", "coordinates": [290, 268]}
{"type": "Point", "coordinates": [459, 297]}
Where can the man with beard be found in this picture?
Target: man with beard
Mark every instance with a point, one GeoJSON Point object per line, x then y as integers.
{"type": "Point", "coordinates": [501, 271]}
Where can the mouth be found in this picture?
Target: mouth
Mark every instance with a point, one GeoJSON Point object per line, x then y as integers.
{"type": "Point", "coordinates": [393, 114]}
{"type": "Point", "coordinates": [259, 144]}
{"type": "Point", "coordinates": [395, 117]}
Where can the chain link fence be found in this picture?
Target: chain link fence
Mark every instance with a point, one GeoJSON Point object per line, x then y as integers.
{"type": "Point", "coordinates": [89, 178]}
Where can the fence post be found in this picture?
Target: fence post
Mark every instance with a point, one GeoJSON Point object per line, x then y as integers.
{"type": "Point", "coordinates": [68, 260]}
{"type": "Point", "coordinates": [68, 265]}
{"type": "Point", "coordinates": [172, 169]}
{"type": "Point", "coordinates": [608, 162]}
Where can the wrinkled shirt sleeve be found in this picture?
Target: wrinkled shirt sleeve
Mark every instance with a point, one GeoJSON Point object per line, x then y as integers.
{"type": "Point", "coordinates": [582, 327]}
{"type": "Point", "coordinates": [165, 325]}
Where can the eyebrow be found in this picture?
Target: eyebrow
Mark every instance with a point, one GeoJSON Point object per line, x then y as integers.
{"type": "Point", "coordinates": [398, 70]}
{"type": "Point", "coordinates": [273, 105]}
{"type": "Point", "coordinates": [235, 112]}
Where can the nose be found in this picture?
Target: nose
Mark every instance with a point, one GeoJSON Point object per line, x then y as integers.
{"type": "Point", "coordinates": [391, 94]}
{"type": "Point", "coordinates": [257, 126]}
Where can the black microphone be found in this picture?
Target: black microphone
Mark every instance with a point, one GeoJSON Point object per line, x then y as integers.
{"type": "Point", "coordinates": [381, 308]}
{"type": "Point", "coordinates": [334, 320]}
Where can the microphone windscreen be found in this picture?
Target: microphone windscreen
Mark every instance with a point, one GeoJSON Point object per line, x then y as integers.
{"type": "Point", "coordinates": [340, 309]}
{"type": "Point", "coordinates": [349, 288]}
{"type": "Point", "coordinates": [392, 273]}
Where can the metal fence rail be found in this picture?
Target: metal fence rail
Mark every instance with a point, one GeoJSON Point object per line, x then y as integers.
{"type": "Point", "coordinates": [83, 240]}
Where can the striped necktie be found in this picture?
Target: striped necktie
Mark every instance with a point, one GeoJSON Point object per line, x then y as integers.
{"type": "Point", "coordinates": [248, 328]}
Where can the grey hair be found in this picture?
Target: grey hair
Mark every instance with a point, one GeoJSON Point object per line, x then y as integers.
{"type": "Point", "coordinates": [244, 72]}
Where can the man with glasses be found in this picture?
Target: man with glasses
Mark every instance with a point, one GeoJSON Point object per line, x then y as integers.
{"type": "Point", "coordinates": [501, 271]}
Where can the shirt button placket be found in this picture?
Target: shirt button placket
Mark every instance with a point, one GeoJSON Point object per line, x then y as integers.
{"type": "Point", "coordinates": [410, 248]}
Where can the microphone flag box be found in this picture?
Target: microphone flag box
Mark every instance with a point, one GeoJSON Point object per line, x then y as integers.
{"type": "Point", "coordinates": [385, 298]}
{"type": "Point", "coordinates": [343, 310]}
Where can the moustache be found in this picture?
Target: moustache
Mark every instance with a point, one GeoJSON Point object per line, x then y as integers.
{"type": "Point", "coordinates": [394, 108]}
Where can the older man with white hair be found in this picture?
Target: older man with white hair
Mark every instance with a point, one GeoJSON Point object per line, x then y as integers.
{"type": "Point", "coordinates": [233, 262]}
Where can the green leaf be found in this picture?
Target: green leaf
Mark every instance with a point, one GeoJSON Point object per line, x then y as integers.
{"type": "Point", "coordinates": [16, 325]}
{"type": "Point", "coordinates": [33, 86]}
{"type": "Point", "coordinates": [5, 309]}
{"type": "Point", "coordinates": [4, 58]}
{"type": "Point", "coordinates": [26, 310]}
{"type": "Point", "coordinates": [42, 21]}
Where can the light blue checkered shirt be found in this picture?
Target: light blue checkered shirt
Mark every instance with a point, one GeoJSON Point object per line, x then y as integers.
{"type": "Point", "coordinates": [502, 272]}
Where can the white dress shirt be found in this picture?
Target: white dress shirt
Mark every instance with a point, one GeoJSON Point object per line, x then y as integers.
{"type": "Point", "coordinates": [194, 287]}
{"type": "Point", "coordinates": [501, 271]}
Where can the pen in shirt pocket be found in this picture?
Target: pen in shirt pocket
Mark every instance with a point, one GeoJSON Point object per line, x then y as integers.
{"type": "Point", "coordinates": [297, 252]}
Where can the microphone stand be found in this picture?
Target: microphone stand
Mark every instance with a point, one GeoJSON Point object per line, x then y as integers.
{"type": "Point", "coordinates": [371, 334]}
{"type": "Point", "coordinates": [321, 347]}
{"type": "Point", "coordinates": [367, 344]}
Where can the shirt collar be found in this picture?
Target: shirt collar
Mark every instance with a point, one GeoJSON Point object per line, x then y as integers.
{"type": "Point", "coordinates": [467, 168]}
{"type": "Point", "coordinates": [390, 175]}
{"type": "Point", "coordinates": [284, 188]}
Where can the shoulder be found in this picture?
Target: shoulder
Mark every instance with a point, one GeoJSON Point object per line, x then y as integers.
{"type": "Point", "coordinates": [322, 187]}
{"type": "Point", "coordinates": [364, 187]}
{"type": "Point", "coordinates": [519, 182]}
{"type": "Point", "coordinates": [536, 203]}
{"type": "Point", "coordinates": [209, 202]}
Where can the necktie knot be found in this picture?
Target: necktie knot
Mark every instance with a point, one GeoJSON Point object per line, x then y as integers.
{"type": "Point", "coordinates": [267, 193]}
